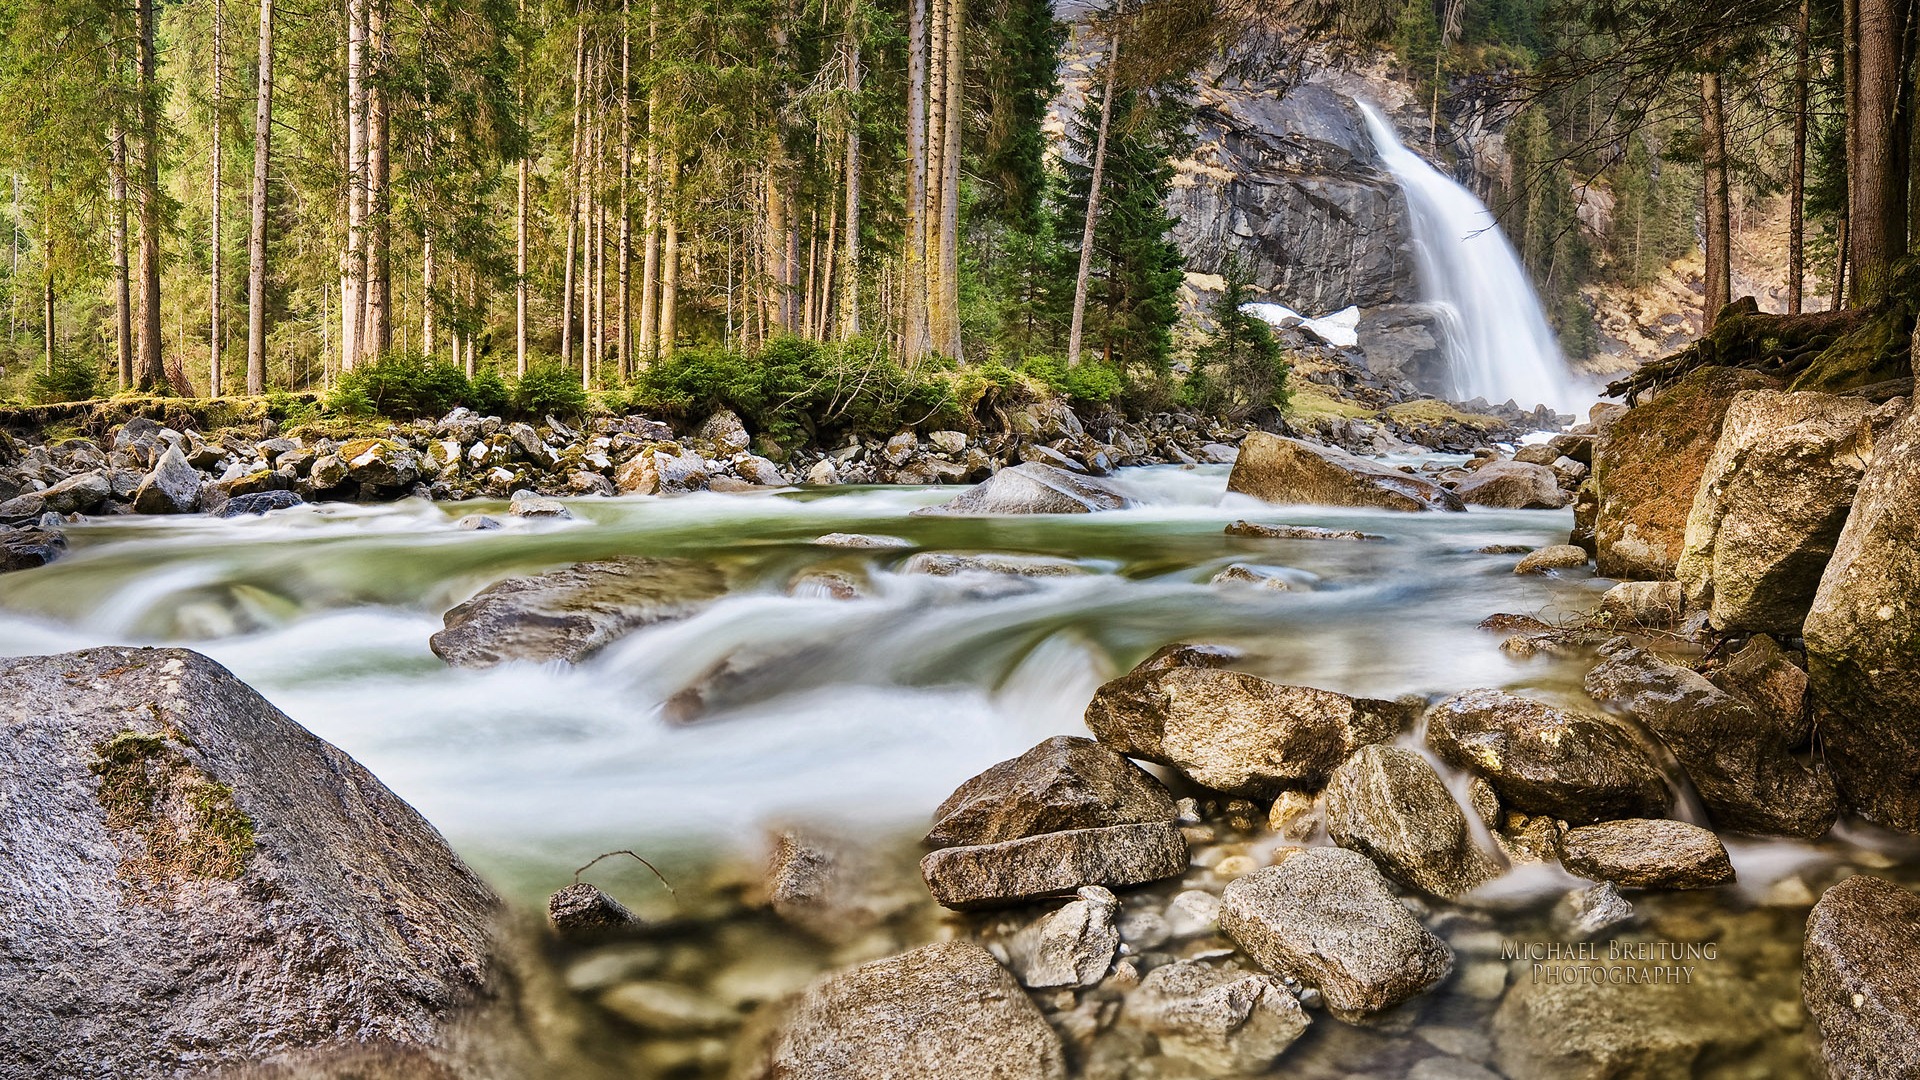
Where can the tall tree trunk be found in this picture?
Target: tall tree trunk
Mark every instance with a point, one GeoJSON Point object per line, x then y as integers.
{"type": "Point", "coordinates": [624, 332]}
{"type": "Point", "coordinates": [520, 219]}
{"type": "Point", "coordinates": [216, 298]}
{"type": "Point", "coordinates": [573, 193]}
{"type": "Point", "coordinates": [427, 285]}
{"type": "Point", "coordinates": [472, 352]}
{"type": "Point", "coordinates": [122, 292]}
{"type": "Point", "coordinates": [257, 237]}
{"type": "Point", "coordinates": [670, 256]}
{"type": "Point", "coordinates": [777, 306]}
{"type": "Point", "coordinates": [942, 11]}
{"type": "Point", "coordinates": [1876, 217]}
{"type": "Point", "coordinates": [46, 291]}
{"type": "Point", "coordinates": [152, 375]}
{"type": "Point", "coordinates": [915, 337]}
{"type": "Point", "coordinates": [1083, 278]}
{"type": "Point", "coordinates": [850, 269]}
{"type": "Point", "coordinates": [650, 221]}
{"type": "Point", "coordinates": [1797, 171]}
{"type": "Point", "coordinates": [353, 263]}
{"type": "Point", "coordinates": [1717, 216]}
{"type": "Point", "coordinates": [948, 341]}
{"type": "Point", "coordinates": [377, 325]}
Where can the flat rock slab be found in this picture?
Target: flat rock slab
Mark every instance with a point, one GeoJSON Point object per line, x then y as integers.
{"type": "Point", "coordinates": [1861, 979]}
{"type": "Point", "coordinates": [1328, 918]}
{"type": "Point", "coordinates": [1543, 760]}
{"type": "Point", "coordinates": [1645, 853]}
{"type": "Point", "coordinates": [1259, 531]}
{"type": "Point", "coordinates": [571, 613]}
{"type": "Point", "coordinates": [190, 880]}
{"type": "Point", "coordinates": [947, 1011]}
{"type": "Point", "coordinates": [1282, 470]}
{"type": "Point", "coordinates": [1063, 783]}
{"type": "Point", "coordinates": [1054, 864]}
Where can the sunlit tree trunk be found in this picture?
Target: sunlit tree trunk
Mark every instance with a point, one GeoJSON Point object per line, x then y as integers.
{"type": "Point", "coordinates": [1877, 183]}
{"type": "Point", "coordinates": [378, 322]}
{"type": "Point", "coordinates": [914, 331]}
{"type": "Point", "coordinates": [427, 285]}
{"type": "Point", "coordinates": [1083, 278]}
{"type": "Point", "coordinates": [216, 298]}
{"type": "Point", "coordinates": [152, 375]}
{"type": "Point", "coordinates": [650, 220]}
{"type": "Point", "coordinates": [257, 235]}
{"type": "Point", "coordinates": [353, 269]}
{"type": "Point", "coordinates": [1719, 239]}
{"type": "Point", "coordinates": [850, 269]}
{"type": "Point", "coordinates": [624, 332]}
{"type": "Point", "coordinates": [670, 256]}
{"type": "Point", "coordinates": [948, 276]}
{"type": "Point", "coordinates": [573, 194]}
{"type": "Point", "coordinates": [520, 222]}
{"type": "Point", "coordinates": [122, 291]}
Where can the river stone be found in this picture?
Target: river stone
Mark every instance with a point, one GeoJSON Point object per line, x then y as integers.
{"type": "Point", "coordinates": [1649, 605]}
{"type": "Point", "coordinates": [837, 888]}
{"type": "Point", "coordinates": [1225, 1020]}
{"type": "Point", "coordinates": [582, 910]}
{"type": "Point", "coordinates": [947, 564]}
{"type": "Point", "coordinates": [725, 431]}
{"type": "Point", "coordinates": [1296, 532]}
{"type": "Point", "coordinates": [1586, 913]}
{"type": "Point", "coordinates": [530, 504]}
{"type": "Point", "coordinates": [1543, 760]}
{"type": "Point", "coordinates": [1647, 466]}
{"type": "Point", "coordinates": [1556, 1020]}
{"type": "Point", "coordinates": [190, 881]}
{"type": "Point", "coordinates": [1233, 732]}
{"type": "Point", "coordinates": [668, 1008]}
{"type": "Point", "coordinates": [1738, 752]}
{"type": "Point", "coordinates": [1771, 505]}
{"type": "Point", "coordinates": [1325, 916]}
{"type": "Point", "coordinates": [1641, 853]}
{"type": "Point", "coordinates": [259, 502]}
{"type": "Point", "coordinates": [26, 548]}
{"type": "Point", "coordinates": [1075, 945]}
{"type": "Point", "coordinates": [1860, 979]}
{"type": "Point", "coordinates": [1863, 640]}
{"type": "Point", "coordinates": [1556, 557]}
{"type": "Point", "coordinates": [1282, 470]}
{"type": "Point", "coordinates": [380, 463]}
{"type": "Point", "coordinates": [1388, 804]}
{"type": "Point", "coordinates": [173, 487]}
{"type": "Point", "coordinates": [78, 494]}
{"type": "Point", "coordinates": [1034, 488]}
{"type": "Point", "coordinates": [1054, 864]}
{"type": "Point", "coordinates": [571, 613]}
{"type": "Point", "coordinates": [946, 1011]}
{"type": "Point", "coordinates": [1065, 782]}
{"type": "Point", "coordinates": [1251, 576]}
{"type": "Point", "coordinates": [1513, 485]}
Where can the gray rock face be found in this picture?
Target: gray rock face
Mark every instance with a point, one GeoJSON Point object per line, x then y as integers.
{"type": "Point", "coordinates": [1225, 1020]}
{"type": "Point", "coordinates": [1406, 342]}
{"type": "Point", "coordinates": [1295, 532]}
{"type": "Point", "coordinates": [1738, 751]}
{"type": "Point", "coordinates": [569, 614]}
{"type": "Point", "coordinates": [1075, 945]}
{"type": "Point", "coordinates": [1543, 760]}
{"type": "Point", "coordinates": [1647, 854]}
{"type": "Point", "coordinates": [1863, 640]}
{"type": "Point", "coordinates": [1054, 864]}
{"type": "Point", "coordinates": [190, 880]}
{"type": "Point", "coordinates": [26, 548]}
{"type": "Point", "coordinates": [1236, 733]}
{"type": "Point", "coordinates": [1034, 488]}
{"type": "Point", "coordinates": [1771, 504]}
{"type": "Point", "coordinates": [173, 487]}
{"type": "Point", "coordinates": [1063, 783]}
{"type": "Point", "coordinates": [1514, 485]}
{"type": "Point", "coordinates": [1388, 804]}
{"type": "Point", "coordinates": [380, 463]}
{"type": "Point", "coordinates": [1282, 470]}
{"type": "Point", "coordinates": [947, 1011]}
{"type": "Point", "coordinates": [1861, 979]}
{"type": "Point", "coordinates": [1326, 917]}
{"type": "Point", "coordinates": [726, 432]}
{"type": "Point", "coordinates": [260, 502]}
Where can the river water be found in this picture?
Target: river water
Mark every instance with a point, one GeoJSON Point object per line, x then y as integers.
{"type": "Point", "coordinates": [863, 712]}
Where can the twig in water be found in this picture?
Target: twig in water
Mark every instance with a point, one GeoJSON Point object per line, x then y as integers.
{"type": "Point", "coordinates": [636, 855]}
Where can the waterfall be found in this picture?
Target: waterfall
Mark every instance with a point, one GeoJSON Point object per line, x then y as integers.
{"type": "Point", "coordinates": [1497, 340]}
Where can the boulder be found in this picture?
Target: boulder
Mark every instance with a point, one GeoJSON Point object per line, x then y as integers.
{"type": "Point", "coordinates": [1860, 979]}
{"type": "Point", "coordinates": [1034, 488]}
{"type": "Point", "coordinates": [1647, 466]}
{"type": "Point", "coordinates": [1647, 854]}
{"type": "Point", "coordinates": [1283, 470]}
{"type": "Point", "coordinates": [379, 463]}
{"type": "Point", "coordinates": [191, 881]}
{"type": "Point", "coordinates": [1225, 1020]}
{"type": "Point", "coordinates": [1054, 864]}
{"type": "Point", "coordinates": [1863, 640]}
{"type": "Point", "coordinates": [1543, 760]}
{"type": "Point", "coordinates": [173, 487]}
{"type": "Point", "coordinates": [1075, 945]}
{"type": "Point", "coordinates": [1236, 733]}
{"type": "Point", "coordinates": [531, 505]}
{"type": "Point", "coordinates": [1388, 804]}
{"type": "Point", "coordinates": [725, 431]}
{"type": "Point", "coordinates": [80, 493]}
{"type": "Point", "coordinates": [259, 502]}
{"type": "Point", "coordinates": [1739, 752]}
{"type": "Point", "coordinates": [837, 888]}
{"type": "Point", "coordinates": [571, 613]}
{"type": "Point", "coordinates": [1556, 557]}
{"type": "Point", "coordinates": [946, 1011]}
{"type": "Point", "coordinates": [1063, 783]}
{"type": "Point", "coordinates": [1771, 504]}
{"type": "Point", "coordinates": [1514, 485]}
{"type": "Point", "coordinates": [28, 547]}
{"type": "Point", "coordinates": [1648, 605]}
{"type": "Point", "coordinates": [1325, 916]}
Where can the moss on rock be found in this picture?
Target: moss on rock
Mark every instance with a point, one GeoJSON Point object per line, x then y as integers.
{"type": "Point", "coordinates": [189, 824]}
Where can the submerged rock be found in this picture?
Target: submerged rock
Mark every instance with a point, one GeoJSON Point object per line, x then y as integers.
{"type": "Point", "coordinates": [1034, 488]}
{"type": "Point", "coordinates": [1257, 577]}
{"type": "Point", "coordinates": [193, 881]}
{"type": "Point", "coordinates": [1388, 804]}
{"type": "Point", "coordinates": [1233, 732]}
{"type": "Point", "coordinates": [258, 503]}
{"type": "Point", "coordinates": [1283, 470]}
{"type": "Point", "coordinates": [1063, 783]}
{"type": "Point", "coordinates": [1181, 654]}
{"type": "Point", "coordinates": [1589, 912]}
{"type": "Point", "coordinates": [1296, 532]}
{"type": "Point", "coordinates": [1513, 485]}
{"type": "Point", "coordinates": [1054, 864]}
{"type": "Point", "coordinates": [1861, 979]}
{"type": "Point", "coordinates": [1647, 854]}
{"type": "Point", "coordinates": [836, 888]}
{"type": "Point", "coordinates": [583, 910]}
{"type": "Point", "coordinates": [1325, 916]}
{"type": "Point", "coordinates": [944, 564]}
{"type": "Point", "coordinates": [1225, 1020]}
{"type": "Point", "coordinates": [26, 548]}
{"type": "Point", "coordinates": [1543, 760]}
{"type": "Point", "coordinates": [571, 613]}
{"type": "Point", "coordinates": [946, 1011]}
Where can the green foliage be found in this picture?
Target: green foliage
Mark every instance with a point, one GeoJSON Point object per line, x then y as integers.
{"type": "Point", "coordinates": [290, 410]}
{"type": "Point", "coordinates": [401, 385]}
{"type": "Point", "coordinates": [549, 390]}
{"type": "Point", "coordinates": [73, 378]}
{"type": "Point", "coordinates": [488, 394]}
{"type": "Point", "coordinates": [1239, 371]}
{"type": "Point", "coordinates": [1090, 383]}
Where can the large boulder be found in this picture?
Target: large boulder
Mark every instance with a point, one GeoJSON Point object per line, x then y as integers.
{"type": "Point", "coordinates": [190, 881]}
{"type": "Point", "coordinates": [1543, 760]}
{"type": "Point", "coordinates": [1737, 748]}
{"type": "Point", "coordinates": [1647, 854]}
{"type": "Point", "coordinates": [1647, 465]}
{"type": "Point", "coordinates": [1236, 733]}
{"type": "Point", "coordinates": [1860, 979]}
{"type": "Point", "coordinates": [380, 463]}
{"type": "Point", "coordinates": [1226, 1020]}
{"type": "Point", "coordinates": [26, 548]}
{"type": "Point", "coordinates": [1034, 488]}
{"type": "Point", "coordinates": [1863, 640]}
{"type": "Point", "coordinates": [1387, 803]}
{"type": "Point", "coordinates": [1325, 916]}
{"type": "Point", "coordinates": [173, 487]}
{"type": "Point", "coordinates": [571, 613]}
{"type": "Point", "coordinates": [78, 494]}
{"type": "Point", "coordinates": [1054, 864]}
{"type": "Point", "coordinates": [946, 1011]}
{"type": "Point", "coordinates": [1063, 783]}
{"type": "Point", "coordinates": [1771, 504]}
{"type": "Point", "coordinates": [1513, 485]}
{"type": "Point", "coordinates": [1282, 470]}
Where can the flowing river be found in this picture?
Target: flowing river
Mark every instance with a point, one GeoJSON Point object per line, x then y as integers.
{"type": "Point", "coordinates": [863, 712]}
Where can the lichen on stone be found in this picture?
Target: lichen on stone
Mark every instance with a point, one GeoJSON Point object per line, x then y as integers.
{"type": "Point", "coordinates": [188, 823]}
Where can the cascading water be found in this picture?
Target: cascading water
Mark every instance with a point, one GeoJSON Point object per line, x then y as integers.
{"type": "Point", "coordinates": [1498, 344]}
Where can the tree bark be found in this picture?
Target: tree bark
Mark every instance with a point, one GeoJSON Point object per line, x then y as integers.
{"type": "Point", "coordinates": [624, 332]}
{"type": "Point", "coordinates": [1797, 171]}
{"type": "Point", "coordinates": [1877, 182]}
{"type": "Point", "coordinates": [122, 292]}
{"type": "Point", "coordinates": [670, 257]}
{"type": "Point", "coordinates": [914, 332]}
{"type": "Point", "coordinates": [850, 270]}
{"type": "Point", "coordinates": [427, 285]}
{"type": "Point", "coordinates": [942, 11]}
{"type": "Point", "coordinates": [257, 236]}
{"type": "Point", "coordinates": [46, 294]}
{"type": "Point", "coordinates": [216, 300]}
{"type": "Point", "coordinates": [377, 325]}
{"type": "Point", "coordinates": [573, 194]}
{"type": "Point", "coordinates": [152, 375]}
{"type": "Point", "coordinates": [1082, 279]}
{"type": "Point", "coordinates": [1717, 216]}
{"type": "Point", "coordinates": [353, 267]}
{"type": "Point", "coordinates": [948, 341]}
{"type": "Point", "coordinates": [650, 221]}
{"type": "Point", "coordinates": [520, 219]}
